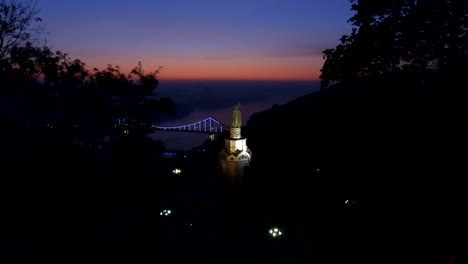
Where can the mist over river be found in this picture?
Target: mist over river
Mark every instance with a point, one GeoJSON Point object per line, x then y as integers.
{"type": "Point", "coordinates": [197, 100]}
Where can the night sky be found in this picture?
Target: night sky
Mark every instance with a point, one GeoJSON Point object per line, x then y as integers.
{"type": "Point", "coordinates": [199, 40]}
{"type": "Point", "coordinates": [201, 43]}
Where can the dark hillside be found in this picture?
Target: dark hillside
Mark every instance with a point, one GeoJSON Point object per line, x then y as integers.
{"type": "Point", "coordinates": [395, 146]}
{"type": "Point", "coordinates": [388, 132]}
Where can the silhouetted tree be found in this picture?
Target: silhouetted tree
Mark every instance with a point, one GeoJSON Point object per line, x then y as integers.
{"type": "Point", "coordinates": [54, 99]}
{"type": "Point", "coordinates": [131, 100]}
{"type": "Point", "coordinates": [399, 35]}
{"type": "Point", "coordinates": [19, 24]}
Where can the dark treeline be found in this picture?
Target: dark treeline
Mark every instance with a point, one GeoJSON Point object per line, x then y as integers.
{"type": "Point", "coordinates": [393, 99]}
{"type": "Point", "coordinates": [53, 108]}
{"type": "Point", "coordinates": [388, 128]}
{"type": "Point", "coordinates": [67, 164]}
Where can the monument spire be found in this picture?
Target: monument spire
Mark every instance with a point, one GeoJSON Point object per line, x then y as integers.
{"type": "Point", "coordinates": [236, 122]}
{"type": "Point", "coordinates": [235, 156]}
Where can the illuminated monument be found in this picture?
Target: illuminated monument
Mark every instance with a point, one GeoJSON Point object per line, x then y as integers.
{"type": "Point", "coordinates": [235, 156]}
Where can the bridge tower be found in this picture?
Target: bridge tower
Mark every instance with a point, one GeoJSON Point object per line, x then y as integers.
{"type": "Point", "coordinates": [235, 157]}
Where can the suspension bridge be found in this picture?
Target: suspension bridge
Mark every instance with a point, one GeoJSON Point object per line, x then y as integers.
{"type": "Point", "coordinates": [208, 125]}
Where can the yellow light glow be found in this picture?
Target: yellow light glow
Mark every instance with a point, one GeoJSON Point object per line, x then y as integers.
{"type": "Point", "coordinates": [275, 232]}
{"type": "Point", "coordinates": [165, 212]}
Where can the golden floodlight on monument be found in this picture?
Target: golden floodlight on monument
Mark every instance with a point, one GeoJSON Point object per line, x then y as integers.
{"type": "Point", "coordinates": [234, 158]}
{"type": "Point", "coordinates": [176, 171]}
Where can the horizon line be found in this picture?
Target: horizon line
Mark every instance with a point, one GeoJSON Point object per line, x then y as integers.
{"type": "Point", "coordinates": [237, 80]}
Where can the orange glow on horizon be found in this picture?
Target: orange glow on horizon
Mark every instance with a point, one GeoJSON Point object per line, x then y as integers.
{"type": "Point", "coordinates": [263, 69]}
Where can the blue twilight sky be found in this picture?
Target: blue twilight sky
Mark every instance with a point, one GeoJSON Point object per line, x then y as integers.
{"type": "Point", "coordinates": [200, 39]}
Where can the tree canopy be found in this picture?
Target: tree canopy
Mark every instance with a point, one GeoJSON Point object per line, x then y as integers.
{"type": "Point", "coordinates": [55, 98]}
{"type": "Point", "coordinates": [399, 35]}
{"type": "Point", "coordinates": [19, 24]}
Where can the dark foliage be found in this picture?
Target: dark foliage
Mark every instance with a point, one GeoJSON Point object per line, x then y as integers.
{"type": "Point", "coordinates": [388, 130]}
{"type": "Point", "coordinates": [47, 93]}
{"type": "Point", "coordinates": [52, 107]}
{"type": "Point", "coordinates": [399, 35]}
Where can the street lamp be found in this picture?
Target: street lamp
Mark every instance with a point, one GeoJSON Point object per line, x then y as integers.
{"type": "Point", "coordinates": [165, 212]}
{"type": "Point", "coordinates": [275, 232]}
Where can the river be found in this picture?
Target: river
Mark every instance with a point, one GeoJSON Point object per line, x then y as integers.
{"type": "Point", "coordinates": [197, 100]}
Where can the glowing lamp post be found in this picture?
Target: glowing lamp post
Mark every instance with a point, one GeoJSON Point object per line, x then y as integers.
{"type": "Point", "coordinates": [165, 212]}
{"type": "Point", "coordinates": [275, 232]}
